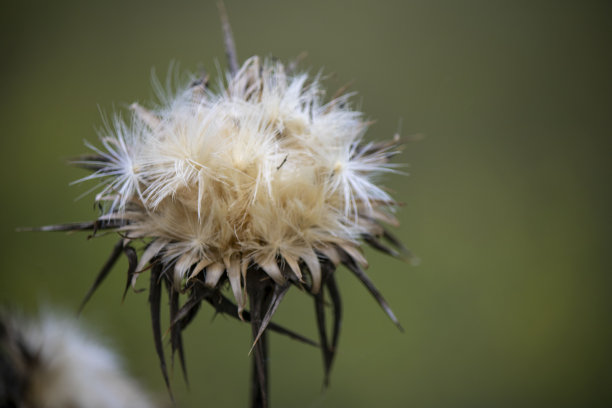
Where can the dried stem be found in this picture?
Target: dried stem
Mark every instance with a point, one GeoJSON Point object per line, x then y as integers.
{"type": "Point", "coordinates": [230, 46]}
{"type": "Point", "coordinates": [260, 289]}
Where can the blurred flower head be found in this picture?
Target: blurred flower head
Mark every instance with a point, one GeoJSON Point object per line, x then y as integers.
{"type": "Point", "coordinates": [52, 362]}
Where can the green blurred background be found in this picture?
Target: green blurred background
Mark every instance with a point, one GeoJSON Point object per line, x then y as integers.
{"type": "Point", "coordinates": [507, 204]}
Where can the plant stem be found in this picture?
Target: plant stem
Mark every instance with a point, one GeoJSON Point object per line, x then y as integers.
{"type": "Point", "coordinates": [260, 289]}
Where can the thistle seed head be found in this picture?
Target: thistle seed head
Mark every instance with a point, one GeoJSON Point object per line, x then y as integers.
{"type": "Point", "coordinates": [263, 172]}
{"type": "Point", "coordinates": [51, 362]}
{"type": "Point", "coordinates": [258, 185]}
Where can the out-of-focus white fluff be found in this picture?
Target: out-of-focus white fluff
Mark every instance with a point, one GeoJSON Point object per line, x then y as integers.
{"type": "Point", "coordinates": [70, 368]}
{"type": "Point", "coordinates": [260, 171]}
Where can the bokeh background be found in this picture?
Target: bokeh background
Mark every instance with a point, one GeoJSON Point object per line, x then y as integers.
{"type": "Point", "coordinates": [507, 204]}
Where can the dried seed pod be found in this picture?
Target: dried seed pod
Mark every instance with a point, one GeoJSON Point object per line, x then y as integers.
{"type": "Point", "coordinates": [262, 177]}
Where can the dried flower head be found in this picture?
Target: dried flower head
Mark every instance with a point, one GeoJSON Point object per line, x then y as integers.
{"type": "Point", "coordinates": [51, 362]}
{"type": "Point", "coordinates": [261, 184]}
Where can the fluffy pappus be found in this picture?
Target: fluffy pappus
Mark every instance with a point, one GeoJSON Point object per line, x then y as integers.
{"type": "Point", "coordinates": [261, 172]}
{"type": "Point", "coordinates": [51, 362]}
